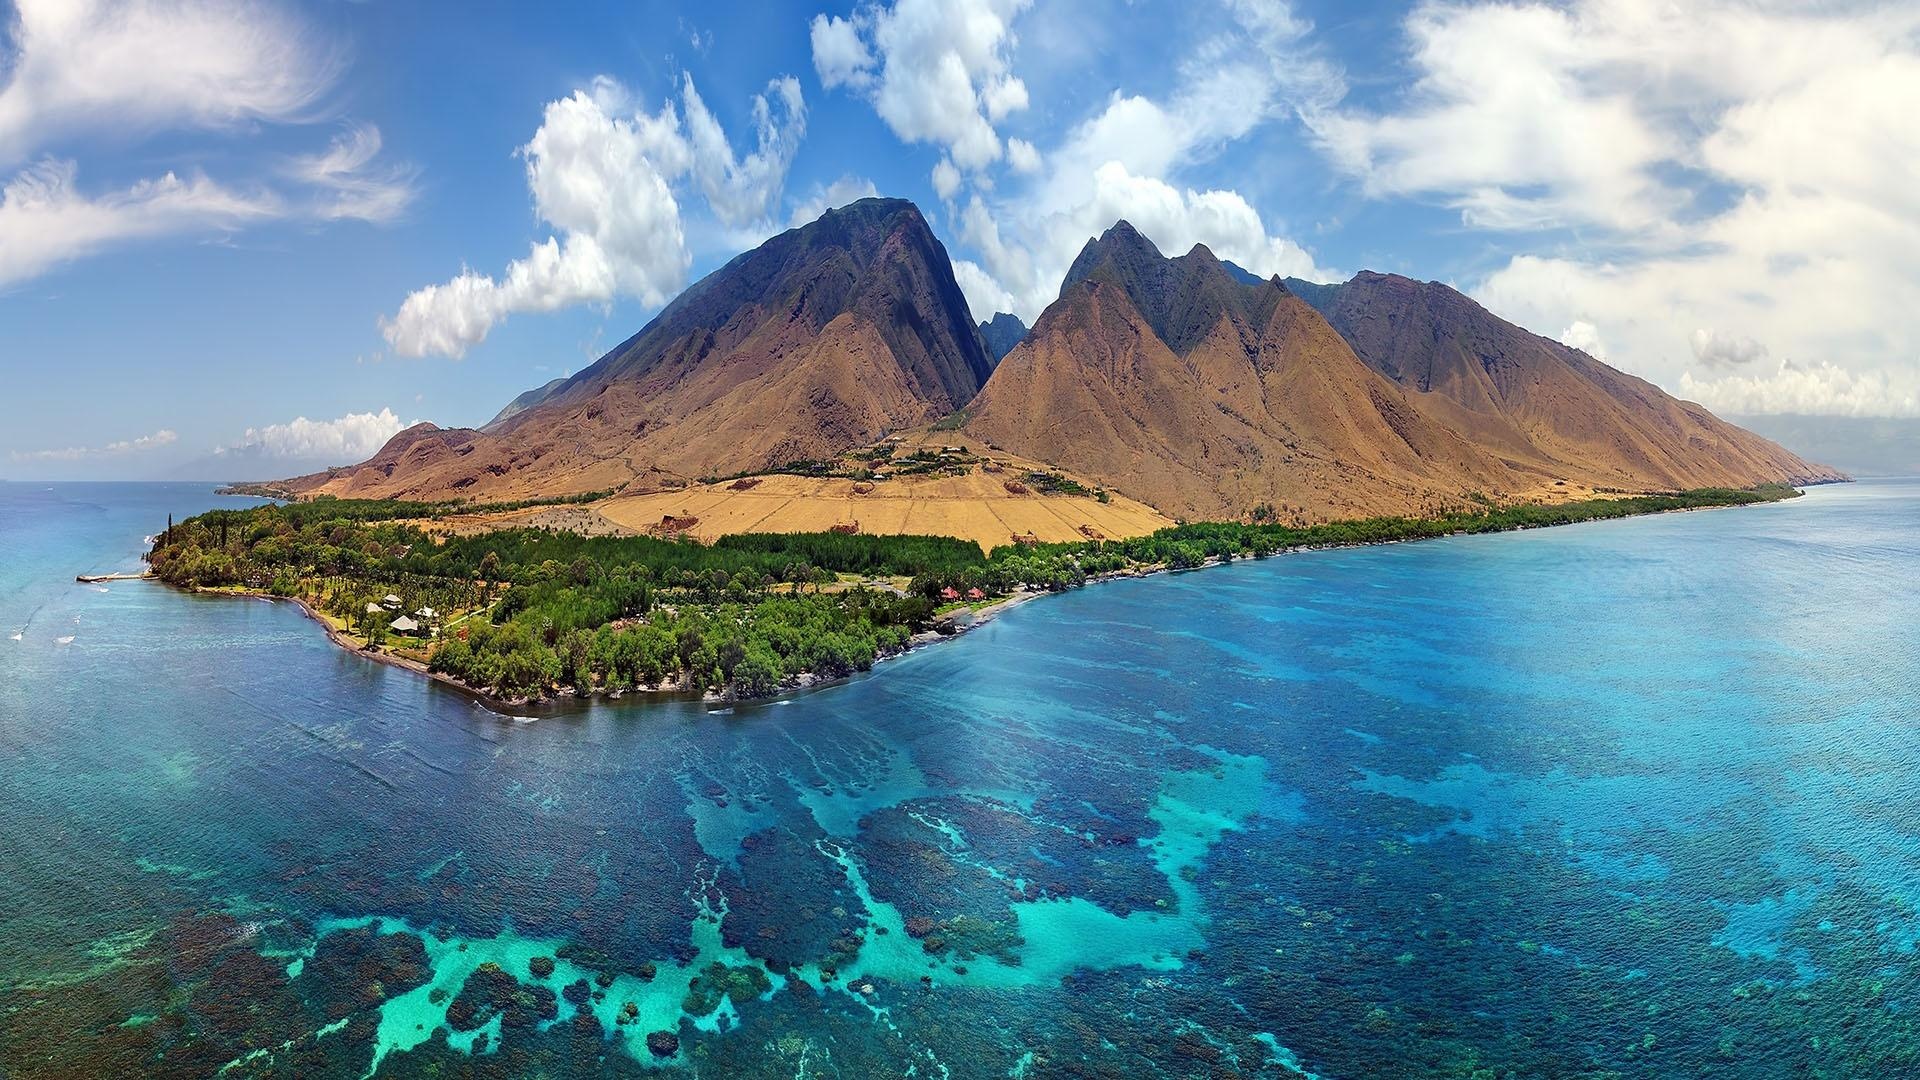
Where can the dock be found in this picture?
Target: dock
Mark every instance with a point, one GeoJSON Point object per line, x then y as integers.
{"type": "Point", "coordinates": [95, 579]}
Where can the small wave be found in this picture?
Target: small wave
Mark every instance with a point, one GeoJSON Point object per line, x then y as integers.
{"type": "Point", "coordinates": [16, 634]}
{"type": "Point", "coordinates": [101, 588]}
{"type": "Point", "coordinates": [68, 640]}
{"type": "Point", "coordinates": [728, 711]}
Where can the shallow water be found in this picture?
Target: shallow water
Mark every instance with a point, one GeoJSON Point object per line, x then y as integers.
{"type": "Point", "coordinates": [1634, 796]}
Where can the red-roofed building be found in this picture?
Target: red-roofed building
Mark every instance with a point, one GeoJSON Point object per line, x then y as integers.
{"type": "Point", "coordinates": [949, 593]}
{"type": "Point", "coordinates": [976, 594]}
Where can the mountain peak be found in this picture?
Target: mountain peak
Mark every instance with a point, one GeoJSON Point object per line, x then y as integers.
{"type": "Point", "coordinates": [1121, 254]}
{"type": "Point", "coordinates": [1181, 298]}
{"type": "Point", "coordinates": [824, 338]}
{"type": "Point", "coordinates": [1002, 333]}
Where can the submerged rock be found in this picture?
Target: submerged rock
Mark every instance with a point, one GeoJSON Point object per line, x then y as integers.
{"type": "Point", "coordinates": [663, 1044]}
{"type": "Point", "coordinates": [491, 992]}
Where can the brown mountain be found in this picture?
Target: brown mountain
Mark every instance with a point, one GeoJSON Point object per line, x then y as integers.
{"type": "Point", "coordinates": [1594, 423]}
{"type": "Point", "coordinates": [822, 339]}
{"type": "Point", "coordinates": [1179, 384]}
{"type": "Point", "coordinates": [1198, 390]}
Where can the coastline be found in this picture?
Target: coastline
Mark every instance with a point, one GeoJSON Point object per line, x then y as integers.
{"type": "Point", "coordinates": [806, 681]}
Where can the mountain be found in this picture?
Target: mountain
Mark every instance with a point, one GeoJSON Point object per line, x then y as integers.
{"type": "Point", "coordinates": [1001, 334]}
{"type": "Point", "coordinates": [1176, 382]}
{"type": "Point", "coordinates": [824, 338]}
{"type": "Point", "coordinates": [1192, 386]}
{"type": "Point", "coordinates": [524, 402]}
{"type": "Point", "coordinates": [1541, 401]}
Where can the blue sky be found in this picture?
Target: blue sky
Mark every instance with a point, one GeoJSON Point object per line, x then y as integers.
{"type": "Point", "coordinates": [254, 237]}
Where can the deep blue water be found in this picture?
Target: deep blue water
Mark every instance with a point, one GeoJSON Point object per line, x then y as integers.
{"type": "Point", "coordinates": [1634, 798]}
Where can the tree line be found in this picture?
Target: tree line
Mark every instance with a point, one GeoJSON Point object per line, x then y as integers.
{"type": "Point", "coordinates": [539, 610]}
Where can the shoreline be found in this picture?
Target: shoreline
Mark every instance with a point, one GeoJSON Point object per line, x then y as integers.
{"type": "Point", "coordinates": [806, 681]}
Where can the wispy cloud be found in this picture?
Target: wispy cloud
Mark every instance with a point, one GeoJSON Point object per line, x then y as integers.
{"type": "Point", "coordinates": [163, 437]}
{"type": "Point", "coordinates": [146, 65]}
{"type": "Point", "coordinates": [350, 184]}
{"type": "Point", "coordinates": [134, 67]}
{"type": "Point", "coordinates": [46, 220]}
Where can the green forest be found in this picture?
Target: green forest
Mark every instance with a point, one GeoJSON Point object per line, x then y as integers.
{"type": "Point", "coordinates": [527, 612]}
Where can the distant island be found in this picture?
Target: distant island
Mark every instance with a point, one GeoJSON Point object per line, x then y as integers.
{"type": "Point", "coordinates": [816, 457]}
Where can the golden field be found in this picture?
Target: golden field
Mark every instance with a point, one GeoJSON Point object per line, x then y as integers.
{"type": "Point", "coordinates": [975, 506]}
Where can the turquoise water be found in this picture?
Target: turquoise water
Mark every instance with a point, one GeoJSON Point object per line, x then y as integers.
{"type": "Point", "coordinates": [1634, 798]}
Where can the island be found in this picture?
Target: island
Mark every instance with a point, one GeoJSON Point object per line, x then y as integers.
{"type": "Point", "coordinates": [525, 613]}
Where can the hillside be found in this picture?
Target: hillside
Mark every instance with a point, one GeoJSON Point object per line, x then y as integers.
{"type": "Point", "coordinates": [824, 338]}
{"type": "Point", "coordinates": [1555, 403]}
{"type": "Point", "coordinates": [1177, 383]}
{"type": "Point", "coordinates": [1203, 391]}
{"type": "Point", "coordinates": [1185, 384]}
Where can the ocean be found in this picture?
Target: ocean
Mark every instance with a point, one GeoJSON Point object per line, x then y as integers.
{"type": "Point", "coordinates": [1629, 798]}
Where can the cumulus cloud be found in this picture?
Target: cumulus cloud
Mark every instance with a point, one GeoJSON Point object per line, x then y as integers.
{"type": "Point", "coordinates": [1520, 118]}
{"type": "Point", "coordinates": [1717, 350]}
{"type": "Point", "coordinates": [936, 71]}
{"type": "Point", "coordinates": [163, 437]}
{"type": "Point", "coordinates": [353, 437]}
{"type": "Point", "coordinates": [1127, 160]}
{"type": "Point", "coordinates": [820, 199]}
{"type": "Point", "coordinates": [985, 296]}
{"type": "Point", "coordinates": [840, 57]}
{"type": "Point", "coordinates": [603, 175]}
{"type": "Point", "coordinates": [45, 219]}
{"type": "Point", "coordinates": [1815, 389]}
{"type": "Point", "coordinates": [946, 179]}
{"type": "Point", "coordinates": [1584, 336]}
{"type": "Point", "coordinates": [1022, 156]}
{"type": "Point", "coordinates": [1675, 170]}
{"type": "Point", "coordinates": [141, 65]}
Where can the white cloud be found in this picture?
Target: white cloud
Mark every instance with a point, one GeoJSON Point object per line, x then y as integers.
{"type": "Point", "coordinates": [46, 220]}
{"type": "Point", "coordinates": [1520, 118]}
{"type": "Point", "coordinates": [1022, 157]}
{"type": "Point", "coordinates": [348, 182]}
{"type": "Point", "coordinates": [158, 439]}
{"type": "Point", "coordinates": [142, 65]}
{"type": "Point", "coordinates": [1772, 192]}
{"type": "Point", "coordinates": [742, 191]}
{"type": "Point", "coordinates": [985, 296]}
{"type": "Point", "coordinates": [1815, 389]}
{"type": "Point", "coordinates": [1584, 336]}
{"type": "Point", "coordinates": [1717, 350]}
{"type": "Point", "coordinates": [130, 67]}
{"type": "Point", "coordinates": [1126, 160]}
{"type": "Point", "coordinates": [819, 200]}
{"type": "Point", "coordinates": [353, 437]}
{"type": "Point", "coordinates": [946, 179]}
{"type": "Point", "coordinates": [1691, 167]}
{"type": "Point", "coordinates": [603, 175]}
{"type": "Point", "coordinates": [936, 71]}
{"type": "Point", "coordinates": [839, 56]}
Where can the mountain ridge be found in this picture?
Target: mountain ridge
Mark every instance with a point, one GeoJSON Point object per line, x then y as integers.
{"type": "Point", "coordinates": [1185, 382]}
{"type": "Point", "coordinates": [822, 339]}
